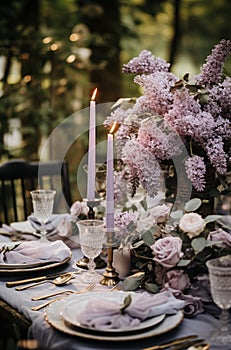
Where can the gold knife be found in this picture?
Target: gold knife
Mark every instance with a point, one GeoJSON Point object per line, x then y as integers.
{"type": "Point", "coordinates": [35, 279]}
{"type": "Point", "coordinates": [171, 343]}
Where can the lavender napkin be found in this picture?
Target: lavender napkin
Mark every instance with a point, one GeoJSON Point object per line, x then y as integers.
{"type": "Point", "coordinates": [58, 224]}
{"type": "Point", "coordinates": [58, 227]}
{"type": "Point", "coordinates": [32, 252]}
{"type": "Point", "coordinates": [103, 314]}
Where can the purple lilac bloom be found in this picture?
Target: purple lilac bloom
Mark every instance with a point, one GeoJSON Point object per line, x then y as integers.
{"type": "Point", "coordinates": [124, 134]}
{"type": "Point", "coordinates": [142, 162]}
{"type": "Point", "coordinates": [211, 72]}
{"type": "Point", "coordinates": [122, 220]}
{"type": "Point", "coordinates": [221, 95]}
{"type": "Point", "coordinates": [157, 95]}
{"type": "Point", "coordinates": [183, 104]}
{"type": "Point", "coordinates": [195, 170]}
{"type": "Point", "coordinates": [116, 116]}
{"type": "Point", "coordinates": [161, 142]}
{"type": "Point", "coordinates": [186, 117]}
{"type": "Point", "coordinates": [216, 154]}
{"type": "Point", "coordinates": [223, 127]}
{"type": "Point", "coordinates": [120, 186]}
{"type": "Point", "coordinates": [145, 63]}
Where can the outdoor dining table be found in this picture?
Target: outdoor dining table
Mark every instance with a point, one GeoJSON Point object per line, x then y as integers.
{"type": "Point", "coordinates": [50, 338]}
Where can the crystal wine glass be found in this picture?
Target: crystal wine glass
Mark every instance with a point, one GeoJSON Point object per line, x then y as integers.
{"type": "Point", "coordinates": [43, 202]}
{"type": "Point", "coordinates": [92, 236]}
{"type": "Point", "coordinates": [220, 282]}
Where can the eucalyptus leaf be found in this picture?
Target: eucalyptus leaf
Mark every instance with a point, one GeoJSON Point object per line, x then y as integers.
{"type": "Point", "coordinates": [132, 282]}
{"type": "Point", "coordinates": [198, 244]}
{"type": "Point", "coordinates": [183, 262]}
{"type": "Point", "coordinates": [211, 243]}
{"type": "Point", "coordinates": [148, 238]}
{"type": "Point", "coordinates": [193, 204]}
{"type": "Point", "coordinates": [211, 218]}
{"type": "Point", "coordinates": [176, 215]}
{"type": "Point", "coordinates": [131, 226]}
{"type": "Point", "coordinates": [151, 287]}
{"type": "Point", "coordinates": [127, 301]}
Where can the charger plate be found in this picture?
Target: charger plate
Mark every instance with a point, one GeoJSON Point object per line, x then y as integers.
{"type": "Point", "coordinates": [33, 267]}
{"type": "Point", "coordinates": [53, 316]}
{"type": "Point", "coordinates": [73, 308]}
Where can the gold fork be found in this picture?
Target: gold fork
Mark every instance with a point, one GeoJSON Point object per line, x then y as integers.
{"type": "Point", "coordinates": [89, 288]}
{"type": "Point", "coordinates": [117, 286]}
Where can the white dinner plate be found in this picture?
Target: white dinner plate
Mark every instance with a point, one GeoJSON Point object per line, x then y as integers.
{"type": "Point", "coordinates": [54, 318]}
{"type": "Point", "coordinates": [72, 309]}
{"type": "Point", "coordinates": [32, 267]}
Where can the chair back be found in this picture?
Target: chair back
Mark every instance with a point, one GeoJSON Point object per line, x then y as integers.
{"type": "Point", "coordinates": [18, 178]}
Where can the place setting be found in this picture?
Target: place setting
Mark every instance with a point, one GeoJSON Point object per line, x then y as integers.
{"type": "Point", "coordinates": [107, 315]}
{"type": "Point", "coordinates": [38, 254]}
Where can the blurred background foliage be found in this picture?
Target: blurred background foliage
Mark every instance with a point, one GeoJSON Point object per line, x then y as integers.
{"type": "Point", "coordinates": [53, 53]}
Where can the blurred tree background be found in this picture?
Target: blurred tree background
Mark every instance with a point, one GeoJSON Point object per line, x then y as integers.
{"type": "Point", "coordinates": [53, 53]}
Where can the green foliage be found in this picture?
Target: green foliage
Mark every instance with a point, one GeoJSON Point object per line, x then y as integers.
{"type": "Point", "coordinates": [193, 205]}
{"type": "Point", "coordinates": [133, 282]}
{"type": "Point", "coordinates": [126, 302]}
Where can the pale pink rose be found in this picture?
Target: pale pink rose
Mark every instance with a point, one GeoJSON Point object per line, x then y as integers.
{"type": "Point", "coordinates": [78, 208]}
{"type": "Point", "coordinates": [220, 235]}
{"type": "Point", "coordinates": [167, 251]}
{"type": "Point", "coordinates": [192, 224]}
{"type": "Point", "coordinates": [160, 213]}
{"type": "Point", "coordinates": [178, 280]}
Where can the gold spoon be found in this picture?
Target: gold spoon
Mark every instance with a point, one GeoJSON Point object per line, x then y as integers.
{"type": "Point", "coordinates": [58, 281]}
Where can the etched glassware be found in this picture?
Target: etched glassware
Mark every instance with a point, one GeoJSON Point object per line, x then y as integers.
{"type": "Point", "coordinates": [43, 202]}
{"type": "Point", "coordinates": [220, 283]}
{"type": "Point", "coordinates": [91, 236]}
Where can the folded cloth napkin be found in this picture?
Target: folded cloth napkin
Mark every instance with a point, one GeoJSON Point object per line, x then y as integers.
{"type": "Point", "coordinates": [103, 314]}
{"type": "Point", "coordinates": [29, 252]}
{"type": "Point", "coordinates": [58, 227]}
{"type": "Point", "coordinates": [58, 224]}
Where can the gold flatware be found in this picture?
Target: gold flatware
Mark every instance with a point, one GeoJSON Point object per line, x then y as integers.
{"type": "Point", "coordinates": [188, 343]}
{"type": "Point", "coordinates": [203, 346]}
{"type": "Point", "coordinates": [37, 279]}
{"type": "Point", "coordinates": [84, 290]}
{"type": "Point", "coordinates": [172, 343]}
{"type": "Point", "coordinates": [87, 289]}
{"type": "Point", "coordinates": [58, 281]}
{"type": "Point", "coordinates": [117, 286]}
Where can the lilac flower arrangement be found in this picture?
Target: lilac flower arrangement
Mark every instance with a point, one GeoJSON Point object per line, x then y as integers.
{"type": "Point", "coordinates": [173, 114]}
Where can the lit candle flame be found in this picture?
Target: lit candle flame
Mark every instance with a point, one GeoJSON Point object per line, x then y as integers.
{"type": "Point", "coordinates": [113, 128]}
{"type": "Point", "coordinates": [94, 94]}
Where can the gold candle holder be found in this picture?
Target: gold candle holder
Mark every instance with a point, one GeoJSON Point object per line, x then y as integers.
{"type": "Point", "coordinates": [110, 276]}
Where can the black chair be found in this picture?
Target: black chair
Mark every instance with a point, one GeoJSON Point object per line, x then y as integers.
{"type": "Point", "coordinates": [18, 178]}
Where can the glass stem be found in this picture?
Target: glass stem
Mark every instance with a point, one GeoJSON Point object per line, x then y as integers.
{"type": "Point", "coordinates": [91, 265]}
{"type": "Point", "coordinates": [224, 318]}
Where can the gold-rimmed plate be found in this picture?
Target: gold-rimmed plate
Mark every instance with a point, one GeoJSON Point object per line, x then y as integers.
{"type": "Point", "coordinates": [54, 318]}
{"type": "Point", "coordinates": [77, 303]}
{"type": "Point", "coordinates": [30, 267]}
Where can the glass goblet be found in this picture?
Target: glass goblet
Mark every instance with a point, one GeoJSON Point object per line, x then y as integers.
{"type": "Point", "coordinates": [220, 283]}
{"type": "Point", "coordinates": [92, 237]}
{"type": "Point", "coordinates": [43, 202]}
